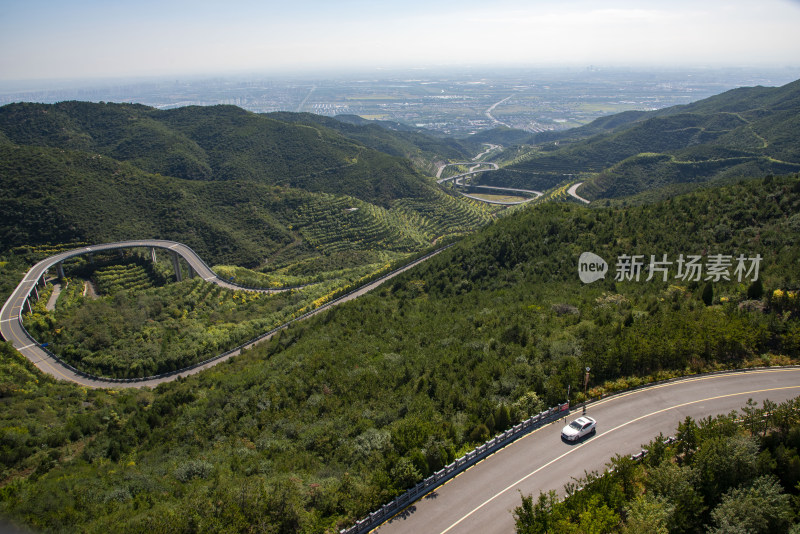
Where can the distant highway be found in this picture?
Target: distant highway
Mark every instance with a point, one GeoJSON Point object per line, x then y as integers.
{"type": "Point", "coordinates": [482, 498]}
{"type": "Point", "coordinates": [479, 156]}
{"type": "Point", "coordinates": [473, 170]}
{"type": "Point", "coordinates": [489, 111]}
{"type": "Point", "coordinates": [573, 191]}
{"type": "Point", "coordinates": [12, 330]}
{"type": "Point", "coordinates": [457, 180]}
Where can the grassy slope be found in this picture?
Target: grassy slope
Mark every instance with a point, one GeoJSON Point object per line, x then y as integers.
{"type": "Point", "coordinates": [344, 411]}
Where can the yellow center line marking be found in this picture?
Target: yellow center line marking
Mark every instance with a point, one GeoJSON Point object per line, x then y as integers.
{"type": "Point", "coordinates": [498, 494]}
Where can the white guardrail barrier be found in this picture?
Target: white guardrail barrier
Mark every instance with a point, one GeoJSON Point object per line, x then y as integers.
{"type": "Point", "coordinates": [411, 495]}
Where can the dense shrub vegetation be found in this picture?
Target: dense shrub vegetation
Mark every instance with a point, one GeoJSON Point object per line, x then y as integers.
{"type": "Point", "coordinates": [136, 329]}
{"type": "Point", "coordinates": [731, 473]}
{"type": "Point", "coordinates": [238, 187]}
{"type": "Point", "coordinates": [746, 131]}
{"type": "Point", "coordinates": [342, 412]}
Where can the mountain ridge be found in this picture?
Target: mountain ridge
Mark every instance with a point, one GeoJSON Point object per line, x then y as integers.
{"type": "Point", "coordinates": [749, 131]}
{"type": "Point", "coordinates": [235, 185]}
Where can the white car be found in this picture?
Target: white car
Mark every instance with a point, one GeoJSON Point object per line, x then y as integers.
{"type": "Point", "coordinates": [580, 427]}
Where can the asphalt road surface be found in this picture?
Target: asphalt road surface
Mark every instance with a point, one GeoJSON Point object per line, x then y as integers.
{"type": "Point", "coordinates": [11, 314]}
{"type": "Point", "coordinates": [573, 191]}
{"type": "Point", "coordinates": [482, 498]}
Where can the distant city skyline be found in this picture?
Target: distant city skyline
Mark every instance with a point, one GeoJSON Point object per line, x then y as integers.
{"type": "Point", "coordinates": [42, 39]}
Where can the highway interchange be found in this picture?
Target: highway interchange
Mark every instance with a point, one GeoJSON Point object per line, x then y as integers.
{"type": "Point", "coordinates": [475, 168]}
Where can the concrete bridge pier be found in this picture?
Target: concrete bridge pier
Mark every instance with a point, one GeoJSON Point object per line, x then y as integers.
{"type": "Point", "coordinates": [60, 270]}
{"type": "Point", "coordinates": [192, 272]}
{"type": "Point", "coordinates": [36, 291]}
{"type": "Point", "coordinates": [153, 255]}
{"type": "Point", "coordinates": [177, 266]}
{"type": "Point", "coordinates": [28, 304]}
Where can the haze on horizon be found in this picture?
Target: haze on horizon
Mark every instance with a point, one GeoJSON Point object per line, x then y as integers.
{"type": "Point", "coordinates": [44, 39]}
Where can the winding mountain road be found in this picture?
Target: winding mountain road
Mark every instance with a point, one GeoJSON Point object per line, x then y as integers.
{"type": "Point", "coordinates": [12, 330]}
{"type": "Point", "coordinates": [573, 192]}
{"type": "Point", "coordinates": [482, 498]}
{"type": "Point", "coordinates": [457, 180]}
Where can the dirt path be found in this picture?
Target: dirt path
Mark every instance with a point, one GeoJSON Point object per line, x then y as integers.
{"type": "Point", "coordinates": [89, 289]}
{"type": "Point", "coordinates": [51, 302]}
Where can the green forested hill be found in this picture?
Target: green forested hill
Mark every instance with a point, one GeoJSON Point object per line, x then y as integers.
{"type": "Point", "coordinates": [743, 132]}
{"type": "Point", "coordinates": [342, 412]}
{"type": "Point", "coordinates": [395, 139]}
{"type": "Point", "coordinates": [236, 186]}
{"type": "Point", "coordinates": [216, 143]}
{"type": "Point", "coordinates": [54, 195]}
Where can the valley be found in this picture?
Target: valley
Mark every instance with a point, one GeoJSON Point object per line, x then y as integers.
{"type": "Point", "coordinates": [470, 317]}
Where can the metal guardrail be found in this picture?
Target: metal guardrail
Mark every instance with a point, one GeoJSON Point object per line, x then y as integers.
{"type": "Point", "coordinates": [638, 457]}
{"type": "Point", "coordinates": [235, 349]}
{"type": "Point", "coordinates": [641, 454]}
{"type": "Point", "coordinates": [389, 510]}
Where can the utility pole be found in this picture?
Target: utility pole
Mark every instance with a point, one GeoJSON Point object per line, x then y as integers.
{"type": "Point", "coordinates": [585, 383]}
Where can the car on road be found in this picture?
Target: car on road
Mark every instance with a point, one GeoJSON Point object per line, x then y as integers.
{"type": "Point", "coordinates": [582, 426]}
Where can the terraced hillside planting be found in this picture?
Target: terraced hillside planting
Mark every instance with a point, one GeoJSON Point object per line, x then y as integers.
{"type": "Point", "coordinates": [344, 223]}
{"type": "Point", "coordinates": [130, 277]}
{"type": "Point", "coordinates": [140, 326]}
{"type": "Point", "coordinates": [448, 215]}
{"type": "Point", "coordinates": [343, 412]}
{"type": "Point", "coordinates": [743, 132]}
{"type": "Point", "coordinates": [331, 266]}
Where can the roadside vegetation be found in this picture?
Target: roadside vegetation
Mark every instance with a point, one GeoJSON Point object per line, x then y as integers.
{"type": "Point", "coordinates": [342, 412]}
{"type": "Point", "coordinates": [239, 188]}
{"type": "Point", "coordinates": [140, 326]}
{"type": "Point", "coordinates": [737, 472]}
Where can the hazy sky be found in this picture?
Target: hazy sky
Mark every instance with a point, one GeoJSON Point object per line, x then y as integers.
{"type": "Point", "coordinates": [93, 38]}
